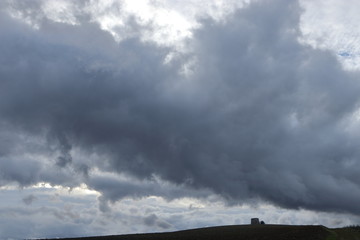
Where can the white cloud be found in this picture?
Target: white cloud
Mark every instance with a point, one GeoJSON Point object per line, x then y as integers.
{"type": "Point", "coordinates": [170, 22]}
{"type": "Point", "coordinates": [330, 25]}
{"type": "Point", "coordinates": [333, 25]}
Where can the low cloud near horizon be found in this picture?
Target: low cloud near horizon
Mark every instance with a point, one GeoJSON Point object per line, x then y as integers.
{"type": "Point", "coordinates": [238, 110]}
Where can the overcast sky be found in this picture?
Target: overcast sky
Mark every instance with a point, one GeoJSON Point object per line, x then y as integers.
{"type": "Point", "coordinates": [125, 116]}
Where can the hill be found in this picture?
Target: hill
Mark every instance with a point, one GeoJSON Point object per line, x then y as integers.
{"type": "Point", "coordinates": [245, 232]}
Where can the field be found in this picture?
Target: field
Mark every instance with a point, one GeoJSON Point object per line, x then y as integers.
{"type": "Point", "coordinates": [245, 232]}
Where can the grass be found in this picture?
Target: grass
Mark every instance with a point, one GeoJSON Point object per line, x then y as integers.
{"type": "Point", "coordinates": [243, 232]}
{"type": "Point", "coordinates": [350, 232]}
{"type": "Point", "coordinates": [246, 232]}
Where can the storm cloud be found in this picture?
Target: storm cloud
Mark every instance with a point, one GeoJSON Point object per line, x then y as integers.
{"type": "Point", "coordinates": [259, 115]}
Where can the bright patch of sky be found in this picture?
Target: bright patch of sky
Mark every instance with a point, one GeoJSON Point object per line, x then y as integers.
{"type": "Point", "coordinates": [50, 211]}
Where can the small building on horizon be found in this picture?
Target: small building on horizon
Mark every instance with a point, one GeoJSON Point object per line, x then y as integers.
{"type": "Point", "coordinates": [255, 221]}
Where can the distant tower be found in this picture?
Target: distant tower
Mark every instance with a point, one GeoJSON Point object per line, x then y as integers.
{"type": "Point", "coordinates": [255, 221]}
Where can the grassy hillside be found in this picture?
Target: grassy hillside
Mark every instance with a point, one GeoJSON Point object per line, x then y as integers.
{"type": "Point", "coordinates": [351, 233]}
{"type": "Point", "coordinates": [246, 232]}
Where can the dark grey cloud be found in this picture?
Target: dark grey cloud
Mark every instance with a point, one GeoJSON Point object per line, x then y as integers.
{"type": "Point", "coordinates": [114, 188]}
{"type": "Point", "coordinates": [153, 221]}
{"type": "Point", "coordinates": [28, 200]}
{"type": "Point", "coordinates": [150, 220]}
{"type": "Point", "coordinates": [262, 116]}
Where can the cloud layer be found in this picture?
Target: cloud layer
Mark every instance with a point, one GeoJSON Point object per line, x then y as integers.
{"type": "Point", "coordinates": [256, 114]}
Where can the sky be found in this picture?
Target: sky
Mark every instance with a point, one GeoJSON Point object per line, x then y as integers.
{"type": "Point", "coordinates": [161, 115]}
